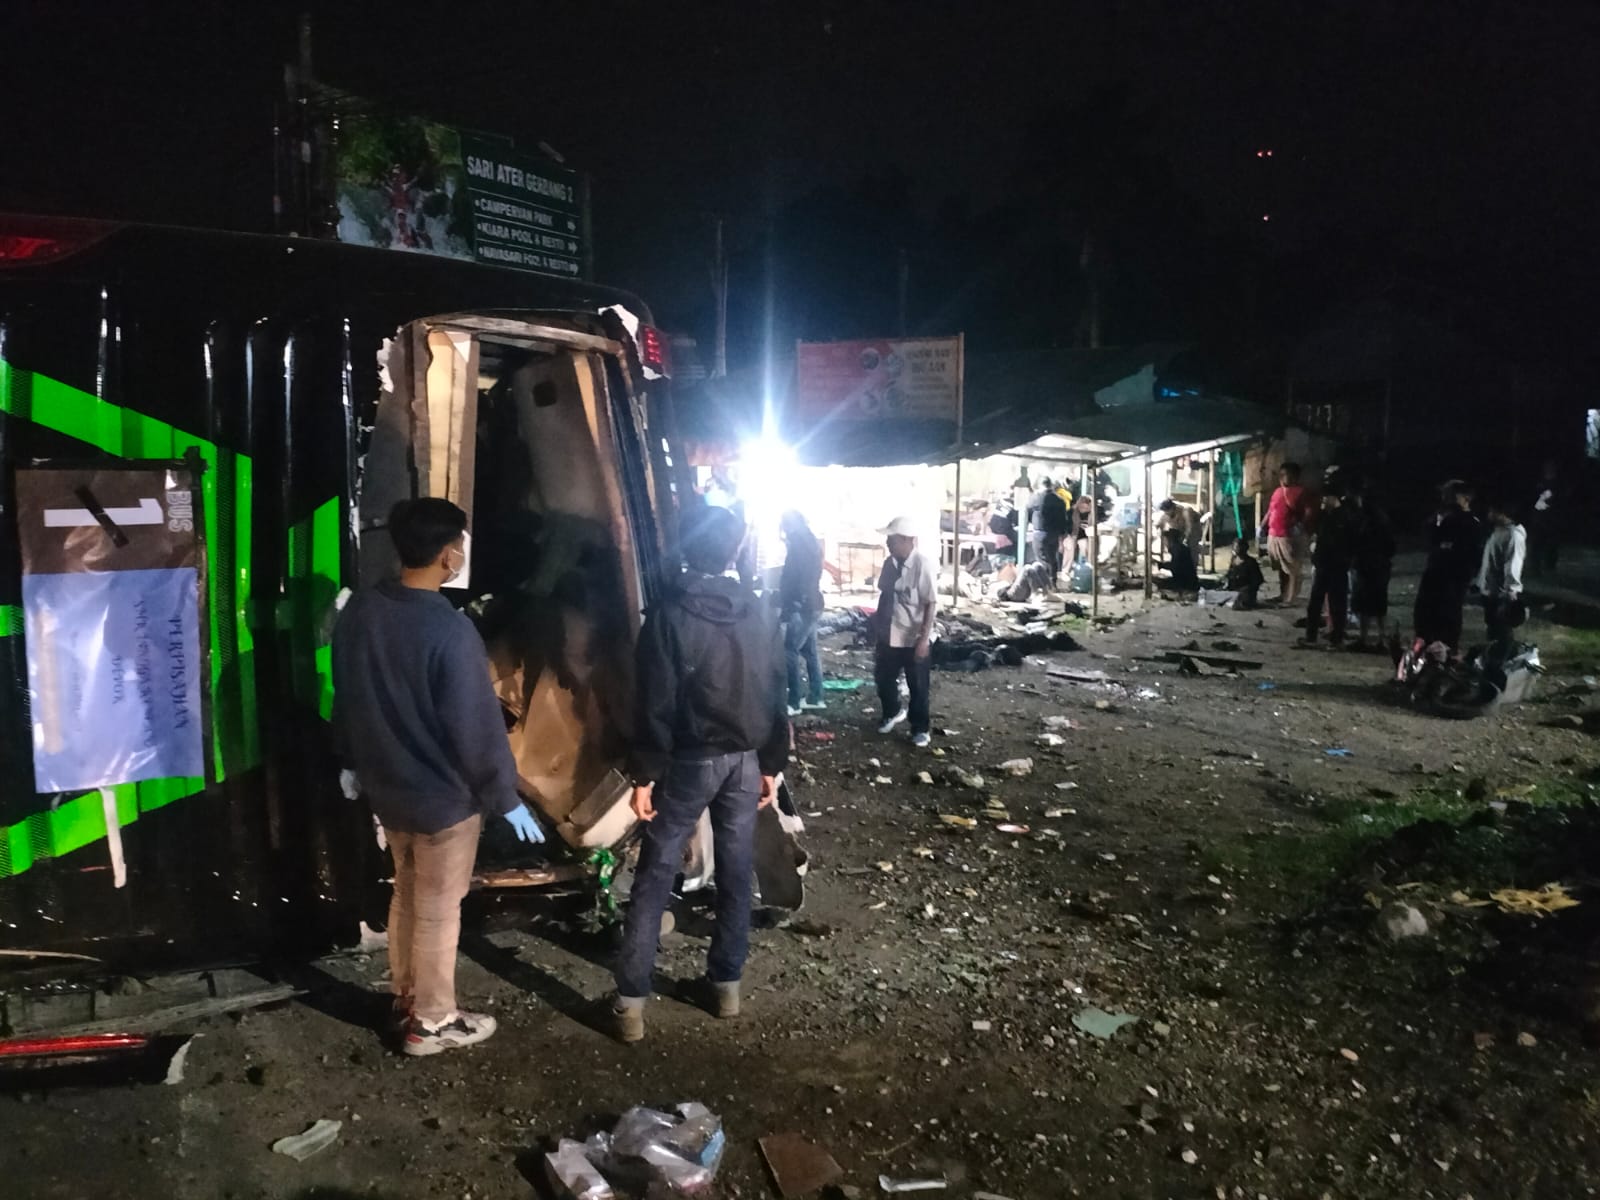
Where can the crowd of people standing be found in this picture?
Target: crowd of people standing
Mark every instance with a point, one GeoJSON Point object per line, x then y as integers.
{"type": "Point", "coordinates": [1346, 536]}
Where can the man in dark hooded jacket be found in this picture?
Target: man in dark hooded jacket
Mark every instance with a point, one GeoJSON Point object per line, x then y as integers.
{"type": "Point", "coordinates": [711, 731]}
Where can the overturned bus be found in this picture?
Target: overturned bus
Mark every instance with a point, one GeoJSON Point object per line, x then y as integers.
{"type": "Point", "coordinates": [232, 416]}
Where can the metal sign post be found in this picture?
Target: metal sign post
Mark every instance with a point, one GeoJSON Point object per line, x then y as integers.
{"type": "Point", "coordinates": [1149, 525]}
{"type": "Point", "coordinates": [961, 446]}
{"type": "Point", "coordinates": [1211, 505]}
{"type": "Point", "coordinates": [1094, 542]}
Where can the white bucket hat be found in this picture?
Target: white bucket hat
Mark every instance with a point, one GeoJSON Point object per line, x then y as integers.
{"type": "Point", "coordinates": [903, 526]}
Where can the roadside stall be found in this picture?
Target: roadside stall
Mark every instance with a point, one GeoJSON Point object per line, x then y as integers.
{"type": "Point", "coordinates": [840, 440]}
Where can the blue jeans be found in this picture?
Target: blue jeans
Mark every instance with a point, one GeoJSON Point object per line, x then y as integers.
{"type": "Point", "coordinates": [730, 784]}
{"type": "Point", "coordinates": [800, 644]}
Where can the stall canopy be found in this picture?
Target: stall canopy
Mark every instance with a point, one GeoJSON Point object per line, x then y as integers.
{"type": "Point", "coordinates": [1094, 406]}
{"type": "Point", "coordinates": [1068, 406]}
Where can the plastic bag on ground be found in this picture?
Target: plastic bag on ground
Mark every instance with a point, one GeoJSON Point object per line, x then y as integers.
{"type": "Point", "coordinates": [648, 1146]}
{"type": "Point", "coordinates": [573, 1175]}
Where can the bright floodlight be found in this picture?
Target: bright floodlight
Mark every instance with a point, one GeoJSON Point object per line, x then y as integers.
{"type": "Point", "coordinates": [767, 479]}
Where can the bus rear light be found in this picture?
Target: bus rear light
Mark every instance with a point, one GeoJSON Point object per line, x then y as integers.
{"type": "Point", "coordinates": [35, 241]}
{"type": "Point", "coordinates": [654, 351]}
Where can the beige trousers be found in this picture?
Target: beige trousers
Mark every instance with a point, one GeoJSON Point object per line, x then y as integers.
{"type": "Point", "coordinates": [432, 872]}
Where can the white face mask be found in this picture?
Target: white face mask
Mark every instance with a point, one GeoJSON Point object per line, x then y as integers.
{"type": "Point", "coordinates": [460, 572]}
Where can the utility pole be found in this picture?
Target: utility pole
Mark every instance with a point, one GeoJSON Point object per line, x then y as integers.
{"type": "Point", "coordinates": [904, 287]}
{"type": "Point", "coordinates": [300, 102]}
{"type": "Point", "coordinates": [719, 293]}
{"type": "Point", "coordinates": [277, 168]}
{"type": "Point", "coordinates": [1091, 275]}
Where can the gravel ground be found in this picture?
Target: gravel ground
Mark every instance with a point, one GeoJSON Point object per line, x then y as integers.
{"type": "Point", "coordinates": [1192, 857]}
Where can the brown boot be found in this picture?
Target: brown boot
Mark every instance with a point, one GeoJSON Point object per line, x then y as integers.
{"type": "Point", "coordinates": [627, 1020]}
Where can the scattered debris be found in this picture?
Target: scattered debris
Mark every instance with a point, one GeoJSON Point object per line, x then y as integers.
{"type": "Point", "coordinates": [982, 1026]}
{"type": "Point", "coordinates": [958, 777]}
{"type": "Point", "coordinates": [1007, 827]}
{"type": "Point", "coordinates": [806, 927]}
{"type": "Point", "coordinates": [179, 1059]}
{"type": "Point", "coordinates": [1049, 741]}
{"type": "Point", "coordinates": [1400, 921]}
{"type": "Point", "coordinates": [1552, 897]}
{"type": "Point", "coordinates": [842, 685]}
{"type": "Point", "coordinates": [1098, 1023]}
{"type": "Point", "coordinates": [1210, 660]}
{"type": "Point", "coordinates": [314, 1140]}
{"type": "Point", "coordinates": [1067, 785]}
{"type": "Point", "coordinates": [1526, 1039]}
{"type": "Point", "coordinates": [1080, 676]}
{"type": "Point", "coordinates": [1017, 768]}
{"type": "Point", "coordinates": [1056, 724]}
{"type": "Point", "coordinates": [798, 1167]}
{"type": "Point", "coordinates": [1338, 752]}
{"type": "Point", "coordinates": [573, 1176]}
{"type": "Point", "coordinates": [60, 954]}
{"type": "Point", "coordinates": [1483, 1041]}
{"type": "Point", "coordinates": [958, 821]}
{"type": "Point", "coordinates": [924, 777]}
{"type": "Point", "coordinates": [1267, 686]}
{"type": "Point", "coordinates": [649, 1149]}
{"type": "Point", "coordinates": [1349, 1055]}
{"type": "Point", "coordinates": [892, 1186]}
{"type": "Point", "coordinates": [1190, 1157]}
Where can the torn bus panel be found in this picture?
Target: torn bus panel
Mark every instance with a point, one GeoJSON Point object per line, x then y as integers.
{"type": "Point", "coordinates": [516, 427]}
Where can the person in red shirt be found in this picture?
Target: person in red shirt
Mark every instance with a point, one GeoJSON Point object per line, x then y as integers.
{"type": "Point", "coordinates": [1287, 516]}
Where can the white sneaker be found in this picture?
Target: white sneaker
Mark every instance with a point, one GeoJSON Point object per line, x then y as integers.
{"type": "Point", "coordinates": [457, 1030]}
{"type": "Point", "coordinates": [889, 725]}
{"type": "Point", "coordinates": [796, 710]}
{"type": "Point", "coordinates": [813, 705]}
{"type": "Point", "coordinates": [920, 740]}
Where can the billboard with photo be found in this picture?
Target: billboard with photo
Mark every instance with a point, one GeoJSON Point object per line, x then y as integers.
{"type": "Point", "coordinates": [405, 183]}
{"type": "Point", "coordinates": [880, 379]}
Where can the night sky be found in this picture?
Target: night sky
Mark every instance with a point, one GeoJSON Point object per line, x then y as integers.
{"type": "Point", "coordinates": [1450, 133]}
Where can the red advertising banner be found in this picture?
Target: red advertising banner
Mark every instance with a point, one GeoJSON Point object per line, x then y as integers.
{"type": "Point", "coordinates": [882, 379]}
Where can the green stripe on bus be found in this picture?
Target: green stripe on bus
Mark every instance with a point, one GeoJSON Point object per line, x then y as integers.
{"type": "Point", "coordinates": [226, 487]}
{"type": "Point", "coordinates": [81, 821]}
{"type": "Point", "coordinates": [315, 571]}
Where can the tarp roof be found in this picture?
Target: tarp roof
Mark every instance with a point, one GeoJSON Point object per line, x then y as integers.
{"type": "Point", "coordinates": [1087, 406]}
{"type": "Point", "coordinates": [1166, 427]}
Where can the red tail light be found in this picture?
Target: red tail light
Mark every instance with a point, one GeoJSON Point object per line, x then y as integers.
{"type": "Point", "coordinates": [82, 1043]}
{"type": "Point", "coordinates": [654, 351]}
{"type": "Point", "coordinates": [34, 241]}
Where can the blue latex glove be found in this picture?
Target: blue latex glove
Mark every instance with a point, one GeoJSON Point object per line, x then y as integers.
{"type": "Point", "coordinates": [523, 822]}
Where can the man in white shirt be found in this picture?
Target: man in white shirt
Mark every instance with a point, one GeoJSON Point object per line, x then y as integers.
{"type": "Point", "coordinates": [1500, 574]}
{"type": "Point", "coordinates": [904, 627]}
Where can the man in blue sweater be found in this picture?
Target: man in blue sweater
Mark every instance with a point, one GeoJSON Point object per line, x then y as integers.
{"type": "Point", "coordinates": [421, 737]}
